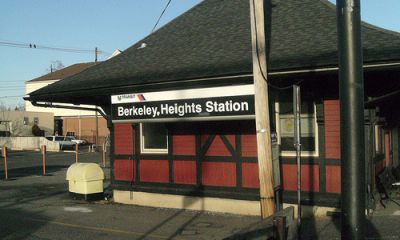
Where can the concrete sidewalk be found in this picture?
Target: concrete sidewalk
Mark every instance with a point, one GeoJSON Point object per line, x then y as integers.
{"type": "Point", "coordinates": [39, 207]}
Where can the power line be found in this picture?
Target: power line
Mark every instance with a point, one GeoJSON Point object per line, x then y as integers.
{"type": "Point", "coordinates": [50, 48]}
{"type": "Point", "coordinates": [259, 63]}
{"type": "Point", "coordinates": [9, 85]}
{"type": "Point", "coordinates": [12, 96]}
{"type": "Point", "coordinates": [11, 88]}
{"type": "Point", "coordinates": [159, 18]}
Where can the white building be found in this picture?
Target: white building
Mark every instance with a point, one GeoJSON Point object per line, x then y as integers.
{"type": "Point", "coordinates": [81, 123]}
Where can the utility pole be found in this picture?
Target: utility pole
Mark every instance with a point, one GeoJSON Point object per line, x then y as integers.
{"type": "Point", "coordinates": [96, 51]}
{"type": "Point", "coordinates": [264, 149]}
{"type": "Point", "coordinates": [351, 91]}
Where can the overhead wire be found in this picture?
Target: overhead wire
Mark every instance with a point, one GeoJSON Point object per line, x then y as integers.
{"type": "Point", "coordinates": [51, 48]}
{"type": "Point", "coordinates": [259, 63]}
{"type": "Point", "coordinates": [159, 18]}
{"type": "Point", "coordinates": [12, 96]}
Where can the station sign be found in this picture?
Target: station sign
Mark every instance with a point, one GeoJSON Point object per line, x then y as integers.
{"type": "Point", "coordinates": [217, 103]}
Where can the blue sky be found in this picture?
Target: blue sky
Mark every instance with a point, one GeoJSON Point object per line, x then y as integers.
{"type": "Point", "coordinates": [106, 24]}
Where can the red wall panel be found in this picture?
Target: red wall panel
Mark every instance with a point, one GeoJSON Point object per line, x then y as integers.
{"type": "Point", "coordinates": [123, 139]}
{"type": "Point", "coordinates": [218, 148]}
{"type": "Point", "coordinates": [332, 129]}
{"type": "Point", "coordinates": [250, 175]}
{"type": "Point", "coordinates": [184, 144]}
{"type": "Point", "coordinates": [309, 177]}
{"type": "Point", "coordinates": [231, 139]}
{"type": "Point", "coordinates": [219, 174]}
{"type": "Point", "coordinates": [154, 171]}
{"type": "Point", "coordinates": [333, 182]}
{"type": "Point", "coordinates": [185, 172]}
{"type": "Point", "coordinates": [124, 170]}
{"type": "Point", "coordinates": [249, 145]}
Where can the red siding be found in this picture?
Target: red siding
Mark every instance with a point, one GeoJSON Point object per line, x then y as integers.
{"type": "Point", "coordinates": [123, 139]}
{"type": "Point", "coordinates": [249, 145]}
{"type": "Point", "coordinates": [309, 177]}
{"type": "Point", "coordinates": [184, 145]}
{"type": "Point", "coordinates": [154, 171]}
{"type": "Point", "coordinates": [250, 175]}
{"type": "Point", "coordinates": [219, 174]}
{"type": "Point", "coordinates": [332, 129]}
{"type": "Point", "coordinates": [185, 172]}
{"type": "Point", "coordinates": [218, 148]}
{"type": "Point", "coordinates": [204, 138]}
{"type": "Point", "coordinates": [231, 139]}
{"type": "Point", "coordinates": [333, 183]}
{"type": "Point", "coordinates": [124, 170]}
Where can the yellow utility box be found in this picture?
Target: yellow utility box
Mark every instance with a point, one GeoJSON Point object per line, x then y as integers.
{"type": "Point", "coordinates": [85, 180]}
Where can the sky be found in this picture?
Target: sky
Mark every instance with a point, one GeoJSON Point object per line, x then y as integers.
{"type": "Point", "coordinates": [106, 24]}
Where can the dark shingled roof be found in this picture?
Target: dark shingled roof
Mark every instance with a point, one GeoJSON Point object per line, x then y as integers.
{"type": "Point", "coordinates": [213, 39]}
{"type": "Point", "coordinates": [65, 72]}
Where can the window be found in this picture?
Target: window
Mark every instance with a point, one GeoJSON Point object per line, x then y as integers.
{"type": "Point", "coordinates": [308, 125]}
{"type": "Point", "coordinates": [26, 120]}
{"type": "Point", "coordinates": [379, 139]}
{"type": "Point", "coordinates": [36, 120]}
{"type": "Point", "coordinates": [153, 138]}
{"type": "Point", "coordinates": [61, 138]}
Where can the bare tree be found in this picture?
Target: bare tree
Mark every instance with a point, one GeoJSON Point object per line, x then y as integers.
{"type": "Point", "coordinates": [3, 107]}
{"type": "Point", "coordinates": [55, 65]}
{"type": "Point", "coordinates": [20, 107]}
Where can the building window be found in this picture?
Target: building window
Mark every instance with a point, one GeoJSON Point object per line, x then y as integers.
{"type": "Point", "coordinates": [36, 120]}
{"type": "Point", "coordinates": [26, 120]}
{"type": "Point", "coordinates": [285, 128]}
{"type": "Point", "coordinates": [379, 140]}
{"type": "Point", "coordinates": [153, 138]}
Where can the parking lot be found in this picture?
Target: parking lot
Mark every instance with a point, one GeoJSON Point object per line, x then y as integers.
{"type": "Point", "coordinates": [33, 206]}
{"type": "Point", "coordinates": [28, 163]}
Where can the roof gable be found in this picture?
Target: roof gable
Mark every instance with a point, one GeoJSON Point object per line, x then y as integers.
{"type": "Point", "coordinates": [214, 39]}
{"type": "Point", "coordinates": [64, 72]}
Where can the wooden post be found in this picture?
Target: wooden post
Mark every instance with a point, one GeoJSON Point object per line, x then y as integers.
{"type": "Point", "coordinates": [5, 162]}
{"type": "Point", "coordinates": [264, 149]}
{"type": "Point", "coordinates": [44, 159]}
{"type": "Point", "coordinates": [76, 153]}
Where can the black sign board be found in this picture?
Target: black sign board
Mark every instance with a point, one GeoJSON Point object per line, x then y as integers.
{"type": "Point", "coordinates": [216, 107]}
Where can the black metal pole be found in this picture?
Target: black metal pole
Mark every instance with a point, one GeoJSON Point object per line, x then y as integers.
{"type": "Point", "coordinates": [351, 90]}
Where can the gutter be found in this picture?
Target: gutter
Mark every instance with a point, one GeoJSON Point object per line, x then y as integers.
{"type": "Point", "coordinates": [328, 69]}
{"type": "Point", "coordinates": [52, 105]}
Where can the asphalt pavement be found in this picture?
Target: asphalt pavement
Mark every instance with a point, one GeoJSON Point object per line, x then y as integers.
{"type": "Point", "coordinates": [33, 206]}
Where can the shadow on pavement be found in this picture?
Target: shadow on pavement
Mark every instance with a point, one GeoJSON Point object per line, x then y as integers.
{"type": "Point", "coordinates": [181, 229]}
{"type": "Point", "coordinates": [14, 223]}
{"type": "Point", "coordinates": [330, 228]}
{"type": "Point", "coordinates": [263, 233]}
{"type": "Point", "coordinates": [32, 171]}
{"type": "Point", "coordinates": [17, 222]}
